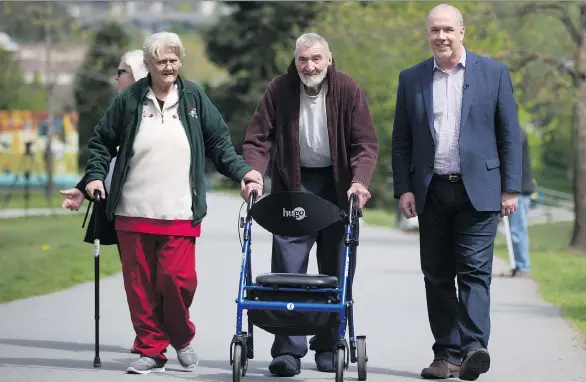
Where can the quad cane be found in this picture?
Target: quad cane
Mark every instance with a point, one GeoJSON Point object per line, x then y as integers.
{"type": "Point", "coordinates": [512, 262]}
{"type": "Point", "coordinates": [98, 200]}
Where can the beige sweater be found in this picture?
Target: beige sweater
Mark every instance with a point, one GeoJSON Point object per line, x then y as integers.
{"type": "Point", "coordinates": [158, 180]}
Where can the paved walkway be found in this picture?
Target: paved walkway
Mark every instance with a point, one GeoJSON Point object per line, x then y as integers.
{"type": "Point", "coordinates": [50, 338]}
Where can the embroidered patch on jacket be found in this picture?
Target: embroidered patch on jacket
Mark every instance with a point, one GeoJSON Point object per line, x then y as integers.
{"type": "Point", "coordinates": [146, 112]}
{"type": "Point", "coordinates": [193, 112]}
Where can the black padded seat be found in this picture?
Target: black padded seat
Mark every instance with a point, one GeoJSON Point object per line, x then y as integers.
{"type": "Point", "coordinates": [294, 280]}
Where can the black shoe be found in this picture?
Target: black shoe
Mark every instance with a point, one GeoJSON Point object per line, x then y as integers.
{"type": "Point", "coordinates": [285, 366]}
{"type": "Point", "coordinates": [476, 362]}
{"type": "Point", "coordinates": [325, 361]}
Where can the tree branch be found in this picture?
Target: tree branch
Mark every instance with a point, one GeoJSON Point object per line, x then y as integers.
{"type": "Point", "coordinates": [555, 9]}
{"type": "Point", "coordinates": [519, 59]}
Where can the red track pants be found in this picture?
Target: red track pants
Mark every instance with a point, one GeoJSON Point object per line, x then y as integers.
{"type": "Point", "coordinates": [160, 282]}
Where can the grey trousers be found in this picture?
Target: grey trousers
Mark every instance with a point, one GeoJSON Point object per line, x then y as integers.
{"type": "Point", "coordinates": [291, 255]}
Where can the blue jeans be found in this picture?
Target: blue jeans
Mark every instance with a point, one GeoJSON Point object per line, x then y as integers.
{"type": "Point", "coordinates": [518, 223]}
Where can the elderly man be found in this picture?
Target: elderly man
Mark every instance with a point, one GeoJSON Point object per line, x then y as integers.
{"type": "Point", "coordinates": [456, 165]}
{"type": "Point", "coordinates": [326, 144]}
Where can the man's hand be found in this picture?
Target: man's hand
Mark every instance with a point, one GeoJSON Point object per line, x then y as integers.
{"type": "Point", "coordinates": [247, 188]}
{"type": "Point", "coordinates": [73, 199]}
{"type": "Point", "coordinates": [407, 205]}
{"type": "Point", "coordinates": [361, 192]}
{"type": "Point", "coordinates": [508, 203]}
{"type": "Point", "coordinates": [253, 180]}
{"type": "Point", "coordinates": [93, 186]}
{"type": "Point", "coordinates": [253, 176]}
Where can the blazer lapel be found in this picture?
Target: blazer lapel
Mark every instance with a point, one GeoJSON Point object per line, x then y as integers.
{"type": "Point", "coordinates": [427, 85]}
{"type": "Point", "coordinates": [469, 87]}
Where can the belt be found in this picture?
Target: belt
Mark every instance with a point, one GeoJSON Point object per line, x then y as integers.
{"type": "Point", "coordinates": [452, 178]}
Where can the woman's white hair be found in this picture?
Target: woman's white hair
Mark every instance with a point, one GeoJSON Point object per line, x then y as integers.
{"type": "Point", "coordinates": [135, 59]}
{"type": "Point", "coordinates": [158, 43]}
{"type": "Point", "coordinates": [309, 39]}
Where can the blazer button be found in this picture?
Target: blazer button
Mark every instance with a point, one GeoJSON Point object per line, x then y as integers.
{"type": "Point", "coordinates": [430, 166]}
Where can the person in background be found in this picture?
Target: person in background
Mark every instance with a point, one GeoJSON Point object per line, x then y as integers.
{"type": "Point", "coordinates": [130, 69]}
{"type": "Point", "coordinates": [164, 127]}
{"type": "Point", "coordinates": [519, 220]}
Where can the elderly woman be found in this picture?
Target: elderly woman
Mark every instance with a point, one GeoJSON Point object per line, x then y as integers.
{"type": "Point", "coordinates": [164, 126]}
{"type": "Point", "coordinates": [130, 69]}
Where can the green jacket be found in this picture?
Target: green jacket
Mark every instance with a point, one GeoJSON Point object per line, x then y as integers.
{"type": "Point", "coordinates": [207, 132]}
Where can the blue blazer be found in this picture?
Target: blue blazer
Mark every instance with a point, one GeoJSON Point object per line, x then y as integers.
{"type": "Point", "coordinates": [490, 136]}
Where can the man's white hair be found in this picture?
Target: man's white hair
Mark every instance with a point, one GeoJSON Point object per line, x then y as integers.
{"type": "Point", "coordinates": [459, 16]}
{"type": "Point", "coordinates": [309, 39]}
{"type": "Point", "coordinates": [158, 43]}
{"type": "Point", "coordinates": [135, 59]}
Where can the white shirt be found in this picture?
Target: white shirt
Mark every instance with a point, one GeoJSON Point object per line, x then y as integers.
{"type": "Point", "coordinates": [447, 105]}
{"type": "Point", "coordinates": [314, 139]}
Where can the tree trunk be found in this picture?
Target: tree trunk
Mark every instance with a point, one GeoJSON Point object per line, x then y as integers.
{"type": "Point", "coordinates": [578, 241]}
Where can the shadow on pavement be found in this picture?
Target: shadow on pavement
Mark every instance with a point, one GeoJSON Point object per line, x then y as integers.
{"type": "Point", "coordinates": [57, 345]}
{"type": "Point", "coordinates": [61, 363]}
{"type": "Point", "coordinates": [257, 370]}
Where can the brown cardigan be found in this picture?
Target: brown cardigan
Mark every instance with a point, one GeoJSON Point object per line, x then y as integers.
{"type": "Point", "coordinates": [353, 140]}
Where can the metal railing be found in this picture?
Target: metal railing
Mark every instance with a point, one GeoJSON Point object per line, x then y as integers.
{"type": "Point", "coordinates": [551, 199]}
{"type": "Point", "coordinates": [555, 198]}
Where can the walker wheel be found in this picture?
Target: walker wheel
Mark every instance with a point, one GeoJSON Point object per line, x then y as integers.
{"type": "Point", "coordinates": [362, 359]}
{"type": "Point", "coordinates": [238, 371]}
{"type": "Point", "coordinates": [340, 363]}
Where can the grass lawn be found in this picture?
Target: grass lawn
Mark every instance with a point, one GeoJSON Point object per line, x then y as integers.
{"type": "Point", "coordinates": [40, 255]}
{"type": "Point", "coordinates": [559, 273]}
{"type": "Point", "coordinates": [379, 217]}
{"type": "Point", "coordinates": [37, 199]}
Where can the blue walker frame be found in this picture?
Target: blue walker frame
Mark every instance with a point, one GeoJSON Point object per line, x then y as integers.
{"type": "Point", "coordinates": [241, 347]}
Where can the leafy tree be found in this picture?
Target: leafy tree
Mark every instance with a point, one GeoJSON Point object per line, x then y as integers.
{"type": "Point", "coordinates": [245, 43]}
{"type": "Point", "coordinates": [27, 21]}
{"type": "Point", "coordinates": [15, 93]}
{"type": "Point", "coordinates": [94, 90]}
{"type": "Point", "coordinates": [545, 94]}
{"type": "Point", "coordinates": [572, 69]}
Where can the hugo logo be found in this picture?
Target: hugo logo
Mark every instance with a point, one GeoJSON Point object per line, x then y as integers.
{"type": "Point", "coordinates": [298, 213]}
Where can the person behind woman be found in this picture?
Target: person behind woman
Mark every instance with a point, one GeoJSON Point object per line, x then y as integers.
{"type": "Point", "coordinates": [130, 69]}
{"type": "Point", "coordinates": [164, 126]}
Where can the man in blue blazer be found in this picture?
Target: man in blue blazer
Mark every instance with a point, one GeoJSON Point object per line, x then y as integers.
{"type": "Point", "coordinates": [457, 161]}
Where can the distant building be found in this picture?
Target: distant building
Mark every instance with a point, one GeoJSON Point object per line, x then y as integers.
{"type": "Point", "coordinates": [146, 16]}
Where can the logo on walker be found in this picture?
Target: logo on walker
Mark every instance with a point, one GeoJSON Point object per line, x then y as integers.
{"type": "Point", "coordinates": [290, 306]}
{"type": "Point", "coordinates": [298, 213]}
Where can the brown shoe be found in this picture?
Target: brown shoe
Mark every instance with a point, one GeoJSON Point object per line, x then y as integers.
{"type": "Point", "coordinates": [439, 369]}
{"type": "Point", "coordinates": [476, 362]}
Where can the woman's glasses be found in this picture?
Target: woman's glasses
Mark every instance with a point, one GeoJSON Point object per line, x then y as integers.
{"type": "Point", "coordinates": [162, 64]}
